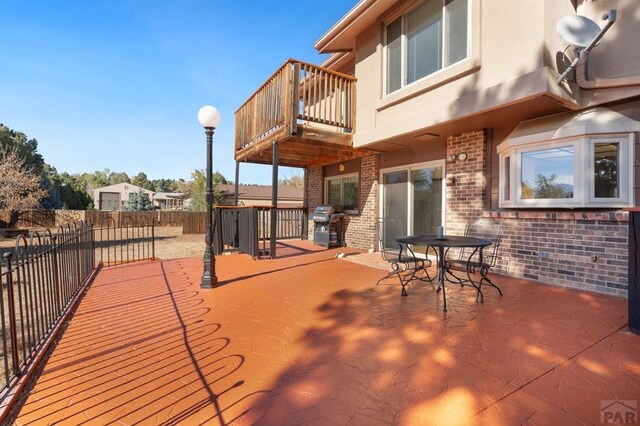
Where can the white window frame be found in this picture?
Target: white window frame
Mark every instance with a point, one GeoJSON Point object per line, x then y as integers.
{"type": "Point", "coordinates": [584, 184]}
{"type": "Point", "coordinates": [625, 177]}
{"type": "Point", "coordinates": [341, 177]}
{"type": "Point", "coordinates": [404, 47]}
{"type": "Point", "coordinates": [547, 202]}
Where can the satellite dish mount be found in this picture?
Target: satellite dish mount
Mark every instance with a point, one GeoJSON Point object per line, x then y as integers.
{"type": "Point", "coordinates": [583, 34]}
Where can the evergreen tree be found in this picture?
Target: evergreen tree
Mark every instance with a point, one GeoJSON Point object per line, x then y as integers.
{"type": "Point", "coordinates": [139, 201]}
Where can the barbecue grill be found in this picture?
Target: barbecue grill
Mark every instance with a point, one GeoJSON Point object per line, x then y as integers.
{"type": "Point", "coordinates": [328, 226]}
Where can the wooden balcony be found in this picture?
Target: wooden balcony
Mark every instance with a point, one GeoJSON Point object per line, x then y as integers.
{"type": "Point", "coordinates": [308, 110]}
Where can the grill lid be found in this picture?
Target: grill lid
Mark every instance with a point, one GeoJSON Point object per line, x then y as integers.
{"type": "Point", "coordinates": [324, 209]}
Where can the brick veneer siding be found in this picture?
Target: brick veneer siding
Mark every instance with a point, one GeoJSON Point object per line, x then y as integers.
{"type": "Point", "coordinates": [465, 195]}
{"type": "Point", "coordinates": [360, 228]}
{"type": "Point", "coordinates": [586, 250]}
{"type": "Point", "coordinates": [313, 193]}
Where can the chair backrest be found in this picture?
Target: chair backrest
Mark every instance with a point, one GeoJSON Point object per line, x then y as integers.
{"type": "Point", "coordinates": [388, 229]}
{"type": "Point", "coordinates": [486, 229]}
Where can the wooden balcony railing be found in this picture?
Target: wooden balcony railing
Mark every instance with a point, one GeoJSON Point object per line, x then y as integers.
{"type": "Point", "coordinates": [297, 93]}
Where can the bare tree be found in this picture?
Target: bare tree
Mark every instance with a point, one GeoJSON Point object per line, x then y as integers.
{"type": "Point", "coordinates": [19, 188]}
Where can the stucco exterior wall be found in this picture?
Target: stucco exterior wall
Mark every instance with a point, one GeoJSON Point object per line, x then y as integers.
{"type": "Point", "coordinates": [501, 69]}
{"type": "Point", "coordinates": [515, 57]}
{"type": "Point", "coordinates": [509, 77]}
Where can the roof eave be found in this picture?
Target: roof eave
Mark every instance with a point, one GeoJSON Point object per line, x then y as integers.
{"type": "Point", "coordinates": [341, 36]}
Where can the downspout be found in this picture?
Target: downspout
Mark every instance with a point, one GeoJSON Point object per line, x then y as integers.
{"type": "Point", "coordinates": [583, 83]}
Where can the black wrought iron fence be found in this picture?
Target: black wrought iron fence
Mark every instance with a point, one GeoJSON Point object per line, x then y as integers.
{"type": "Point", "coordinates": [39, 280]}
{"type": "Point", "coordinates": [130, 240]}
{"type": "Point", "coordinates": [42, 274]}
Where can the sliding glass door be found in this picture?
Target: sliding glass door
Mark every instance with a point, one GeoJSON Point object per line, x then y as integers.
{"type": "Point", "coordinates": [414, 194]}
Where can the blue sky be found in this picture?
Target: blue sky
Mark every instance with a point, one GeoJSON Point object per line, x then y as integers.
{"type": "Point", "coordinates": [118, 84]}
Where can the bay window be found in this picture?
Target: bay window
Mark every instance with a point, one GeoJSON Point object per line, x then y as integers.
{"type": "Point", "coordinates": [426, 39]}
{"type": "Point", "coordinates": [586, 171]}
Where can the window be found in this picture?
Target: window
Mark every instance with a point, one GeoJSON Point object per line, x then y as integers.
{"type": "Point", "coordinates": [575, 172]}
{"type": "Point", "coordinates": [431, 36]}
{"type": "Point", "coordinates": [547, 173]}
{"type": "Point", "coordinates": [606, 169]}
{"type": "Point", "coordinates": [342, 192]}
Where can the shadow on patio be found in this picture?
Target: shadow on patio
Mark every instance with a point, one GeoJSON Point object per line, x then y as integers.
{"type": "Point", "coordinates": [309, 338]}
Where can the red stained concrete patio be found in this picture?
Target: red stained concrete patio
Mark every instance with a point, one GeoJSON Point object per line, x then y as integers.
{"type": "Point", "coordinates": [308, 338]}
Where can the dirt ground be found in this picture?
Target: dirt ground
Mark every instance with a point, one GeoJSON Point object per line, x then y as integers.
{"type": "Point", "coordinates": [169, 243]}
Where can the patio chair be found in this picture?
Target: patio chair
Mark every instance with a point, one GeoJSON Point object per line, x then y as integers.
{"type": "Point", "coordinates": [468, 259]}
{"type": "Point", "coordinates": [404, 263]}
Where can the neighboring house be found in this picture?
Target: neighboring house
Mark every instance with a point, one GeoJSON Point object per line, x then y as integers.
{"type": "Point", "coordinates": [116, 197]}
{"type": "Point", "coordinates": [260, 195]}
{"type": "Point", "coordinates": [171, 200]}
{"type": "Point", "coordinates": [457, 115]}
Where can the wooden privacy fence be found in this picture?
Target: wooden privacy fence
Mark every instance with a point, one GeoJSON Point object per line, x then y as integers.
{"type": "Point", "coordinates": [173, 218]}
{"type": "Point", "coordinates": [119, 217]}
{"type": "Point", "coordinates": [52, 218]}
{"type": "Point", "coordinates": [193, 223]}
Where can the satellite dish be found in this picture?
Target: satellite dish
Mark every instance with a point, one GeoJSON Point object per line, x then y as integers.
{"type": "Point", "coordinates": [583, 34]}
{"type": "Point", "coordinates": [577, 30]}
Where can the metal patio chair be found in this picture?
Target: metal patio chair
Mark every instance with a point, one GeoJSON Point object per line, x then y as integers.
{"type": "Point", "coordinates": [468, 259]}
{"type": "Point", "coordinates": [404, 263]}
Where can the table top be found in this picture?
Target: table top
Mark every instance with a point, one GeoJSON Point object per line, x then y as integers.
{"type": "Point", "coordinates": [446, 241]}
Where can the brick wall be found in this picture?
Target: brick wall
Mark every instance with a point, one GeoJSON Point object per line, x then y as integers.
{"type": "Point", "coordinates": [314, 187]}
{"type": "Point", "coordinates": [586, 250]}
{"type": "Point", "coordinates": [465, 196]}
{"type": "Point", "coordinates": [361, 228]}
{"type": "Point", "coordinates": [313, 192]}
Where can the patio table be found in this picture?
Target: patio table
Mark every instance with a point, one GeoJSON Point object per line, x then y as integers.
{"type": "Point", "coordinates": [447, 241]}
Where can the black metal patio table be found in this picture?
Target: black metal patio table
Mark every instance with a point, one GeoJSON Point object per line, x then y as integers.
{"type": "Point", "coordinates": [447, 241]}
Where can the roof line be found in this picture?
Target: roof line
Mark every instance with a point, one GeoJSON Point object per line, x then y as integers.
{"type": "Point", "coordinates": [356, 11]}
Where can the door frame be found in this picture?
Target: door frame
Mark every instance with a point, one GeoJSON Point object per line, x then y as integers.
{"type": "Point", "coordinates": [408, 167]}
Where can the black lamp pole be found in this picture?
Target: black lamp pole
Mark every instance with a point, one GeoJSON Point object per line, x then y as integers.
{"type": "Point", "coordinates": [209, 279]}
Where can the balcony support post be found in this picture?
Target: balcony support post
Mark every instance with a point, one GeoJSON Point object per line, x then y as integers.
{"type": "Point", "coordinates": [274, 200]}
{"type": "Point", "coordinates": [235, 193]}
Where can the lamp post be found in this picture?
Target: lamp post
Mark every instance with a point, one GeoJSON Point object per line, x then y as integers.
{"type": "Point", "coordinates": [209, 117]}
